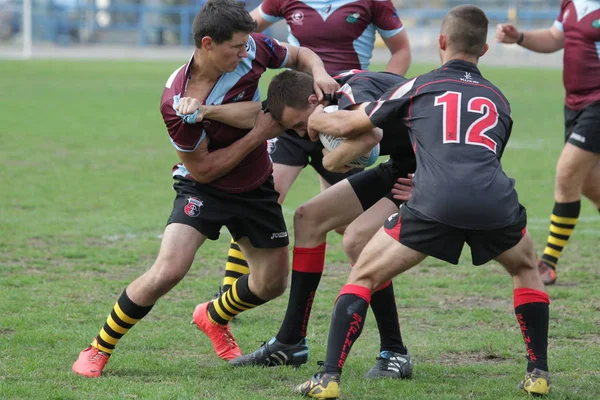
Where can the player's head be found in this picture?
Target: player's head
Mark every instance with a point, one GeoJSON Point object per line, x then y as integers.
{"type": "Point", "coordinates": [463, 33]}
{"type": "Point", "coordinates": [291, 99]}
{"type": "Point", "coordinates": [221, 29]}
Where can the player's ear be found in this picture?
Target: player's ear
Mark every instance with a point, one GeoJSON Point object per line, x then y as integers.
{"type": "Point", "coordinates": [486, 47]}
{"type": "Point", "coordinates": [207, 43]}
{"type": "Point", "coordinates": [442, 41]}
{"type": "Point", "coordinates": [313, 99]}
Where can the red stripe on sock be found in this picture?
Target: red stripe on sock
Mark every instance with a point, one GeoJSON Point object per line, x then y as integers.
{"type": "Point", "coordinates": [309, 259]}
{"type": "Point", "coordinates": [388, 283]}
{"type": "Point", "coordinates": [527, 295]}
{"type": "Point", "coordinates": [356, 290]}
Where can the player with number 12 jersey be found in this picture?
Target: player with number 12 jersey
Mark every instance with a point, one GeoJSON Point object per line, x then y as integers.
{"type": "Point", "coordinates": [455, 114]}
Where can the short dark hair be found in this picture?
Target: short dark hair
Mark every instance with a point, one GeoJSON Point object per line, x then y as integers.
{"type": "Point", "coordinates": [220, 19]}
{"type": "Point", "coordinates": [289, 89]}
{"type": "Point", "coordinates": [466, 28]}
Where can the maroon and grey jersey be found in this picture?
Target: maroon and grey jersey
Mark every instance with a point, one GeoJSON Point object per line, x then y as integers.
{"type": "Point", "coordinates": [580, 22]}
{"type": "Point", "coordinates": [239, 85]}
{"type": "Point", "coordinates": [341, 32]}
{"type": "Point", "coordinates": [459, 124]}
{"type": "Point", "coordinates": [358, 87]}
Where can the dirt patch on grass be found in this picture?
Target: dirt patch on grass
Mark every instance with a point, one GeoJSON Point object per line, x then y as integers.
{"type": "Point", "coordinates": [468, 357]}
{"type": "Point", "coordinates": [6, 331]}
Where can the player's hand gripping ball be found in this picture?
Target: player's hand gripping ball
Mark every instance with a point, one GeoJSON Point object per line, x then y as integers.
{"type": "Point", "coordinates": [331, 142]}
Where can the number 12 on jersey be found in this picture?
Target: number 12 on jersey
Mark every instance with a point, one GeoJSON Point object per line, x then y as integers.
{"type": "Point", "coordinates": [451, 104]}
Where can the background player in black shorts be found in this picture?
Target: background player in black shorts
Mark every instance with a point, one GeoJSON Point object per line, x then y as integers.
{"type": "Point", "coordinates": [223, 179]}
{"type": "Point", "coordinates": [364, 200]}
{"type": "Point", "coordinates": [343, 42]}
{"type": "Point", "coordinates": [578, 168]}
{"type": "Point", "coordinates": [459, 124]}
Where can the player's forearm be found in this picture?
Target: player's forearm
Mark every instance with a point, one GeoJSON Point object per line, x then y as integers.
{"type": "Point", "coordinates": [308, 61]}
{"type": "Point", "coordinates": [351, 149]}
{"type": "Point", "coordinates": [239, 115]}
{"type": "Point", "coordinates": [541, 41]}
{"type": "Point", "coordinates": [399, 62]}
{"type": "Point", "coordinates": [339, 124]}
{"type": "Point", "coordinates": [220, 162]}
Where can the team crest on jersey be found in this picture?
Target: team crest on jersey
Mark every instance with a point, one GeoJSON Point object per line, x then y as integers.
{"type": "Point", "coordinates": [297, 17]}
{"type": "Point", "coordinates": [352, 18]}
{"type": "Point", "coordinates": [250, 46]}
{"type": "Point", "coordinates": [596, 24]}
{"type": "Point", "coordinates": [192, 208]}
{"type": "Point", "coordinates": [239, 96]}
{"type": "Point", "coordinates": [271, 145]}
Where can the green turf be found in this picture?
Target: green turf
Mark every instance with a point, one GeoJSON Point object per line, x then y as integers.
{"type": "Point", "coordinates": [85, 191]}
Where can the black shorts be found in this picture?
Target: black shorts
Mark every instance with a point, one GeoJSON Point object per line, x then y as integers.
{"type": "Point", "coordinates": [446, 242]}
{"type": "Point", "coordinates": [291, 149]}
{"type": "Point", "coordinates": [582, 127]}
{"type": "Point", "coordinates": [376, 183]}
{"type": "Point", "coordinates": [254, 214]}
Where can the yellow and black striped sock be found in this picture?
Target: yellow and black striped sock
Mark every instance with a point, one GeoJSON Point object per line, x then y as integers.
{"type": "Point", "coordinates": [236, 265]}
{"type": "Point", "coordinates": [562, 223]}
{"type": "Point", "coordinates": [233, 302]}
{"type": "Point", "coordinates": [123, 316]}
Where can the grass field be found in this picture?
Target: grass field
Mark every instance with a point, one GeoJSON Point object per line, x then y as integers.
{"type": "Point", "coordinates": [85, 191]}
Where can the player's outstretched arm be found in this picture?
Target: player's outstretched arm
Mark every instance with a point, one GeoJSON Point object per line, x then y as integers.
{"type": "Point", "coordinates": [546, 40]}
{"type": "Point", "coordinates": [305, 60]}
{"type": "Point", "coordinates": [342, 123]}
{"type": "Point", "coordinates": [350, 149]}
{"type": "Point", "coordinates": [239, 115]}
{"type": "Point", "coordinates": [399, 48]}
{"type": "Point", "coordinates": [206, 166]}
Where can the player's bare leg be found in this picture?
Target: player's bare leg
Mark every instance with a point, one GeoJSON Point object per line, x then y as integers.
{"type": "Point", "coordinates": [324, 186]}
{"type": "Point", "coordinates": [336, 206]}
{"type": "Point", "coordinates": [532, 311]}
{"type": "Point", "coordinates": [178, 248]}
{"type": "Point", "coordinates": [575, 171]}
{"type": "Point", "coordinates": [237, 265]}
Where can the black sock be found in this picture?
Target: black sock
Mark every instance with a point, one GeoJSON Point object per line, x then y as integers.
{"type": "Point", "coordinates": [383, 304]}
{"type": "Point", "coordinates": [347, 323]}
{"type": "Point", "coordinates": [532, 312]}
{"type": "Point", "coordinates": [307, 268]}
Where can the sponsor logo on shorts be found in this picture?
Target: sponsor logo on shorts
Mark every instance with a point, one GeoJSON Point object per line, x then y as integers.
{"type": "Point", "coordinates": [391, 221]}
{"type": "Point", "coordinates": [279, 235]}
{"type": "Point", "coordinates": [577, 136]}
{"type": "Point", "coordinates": [192, 208]}
{"type": "Point", "coordinates": [352, 18]}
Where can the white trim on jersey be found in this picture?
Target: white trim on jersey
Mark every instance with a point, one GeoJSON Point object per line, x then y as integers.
{"type": "Point", "coordinates": [585, 7]}
{"type": "Point", "coordinates": [558, 25]}
{"type": "Point", "coordinates": [269, 18]}
{"type": "Point", "coordinates": [202, 137]}
{"type": "Point", "coordinates": [387, 34]}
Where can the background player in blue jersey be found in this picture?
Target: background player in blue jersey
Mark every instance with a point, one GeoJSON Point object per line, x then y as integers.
{"type": "Point", "coordinates": [363, 199]}
{"type": "Point", "coordinates": [342, 33]}
{"type": "Point", "coordinates": [224, 179]}
{"type": "Point", "coordinates": [578, 167]}
{"type": "Point", "coordinates": [459, 124]}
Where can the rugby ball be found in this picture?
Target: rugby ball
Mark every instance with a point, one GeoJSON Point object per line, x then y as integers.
{"type": "Point", "coordinates": [331, 142]}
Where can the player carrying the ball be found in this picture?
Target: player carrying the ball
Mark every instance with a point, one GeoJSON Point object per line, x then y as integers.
{"type": "Point", "coordinates": [363, 200]}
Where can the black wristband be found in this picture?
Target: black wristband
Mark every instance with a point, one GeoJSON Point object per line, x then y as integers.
{"type": "Point", "coordinates": [521, 37]}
